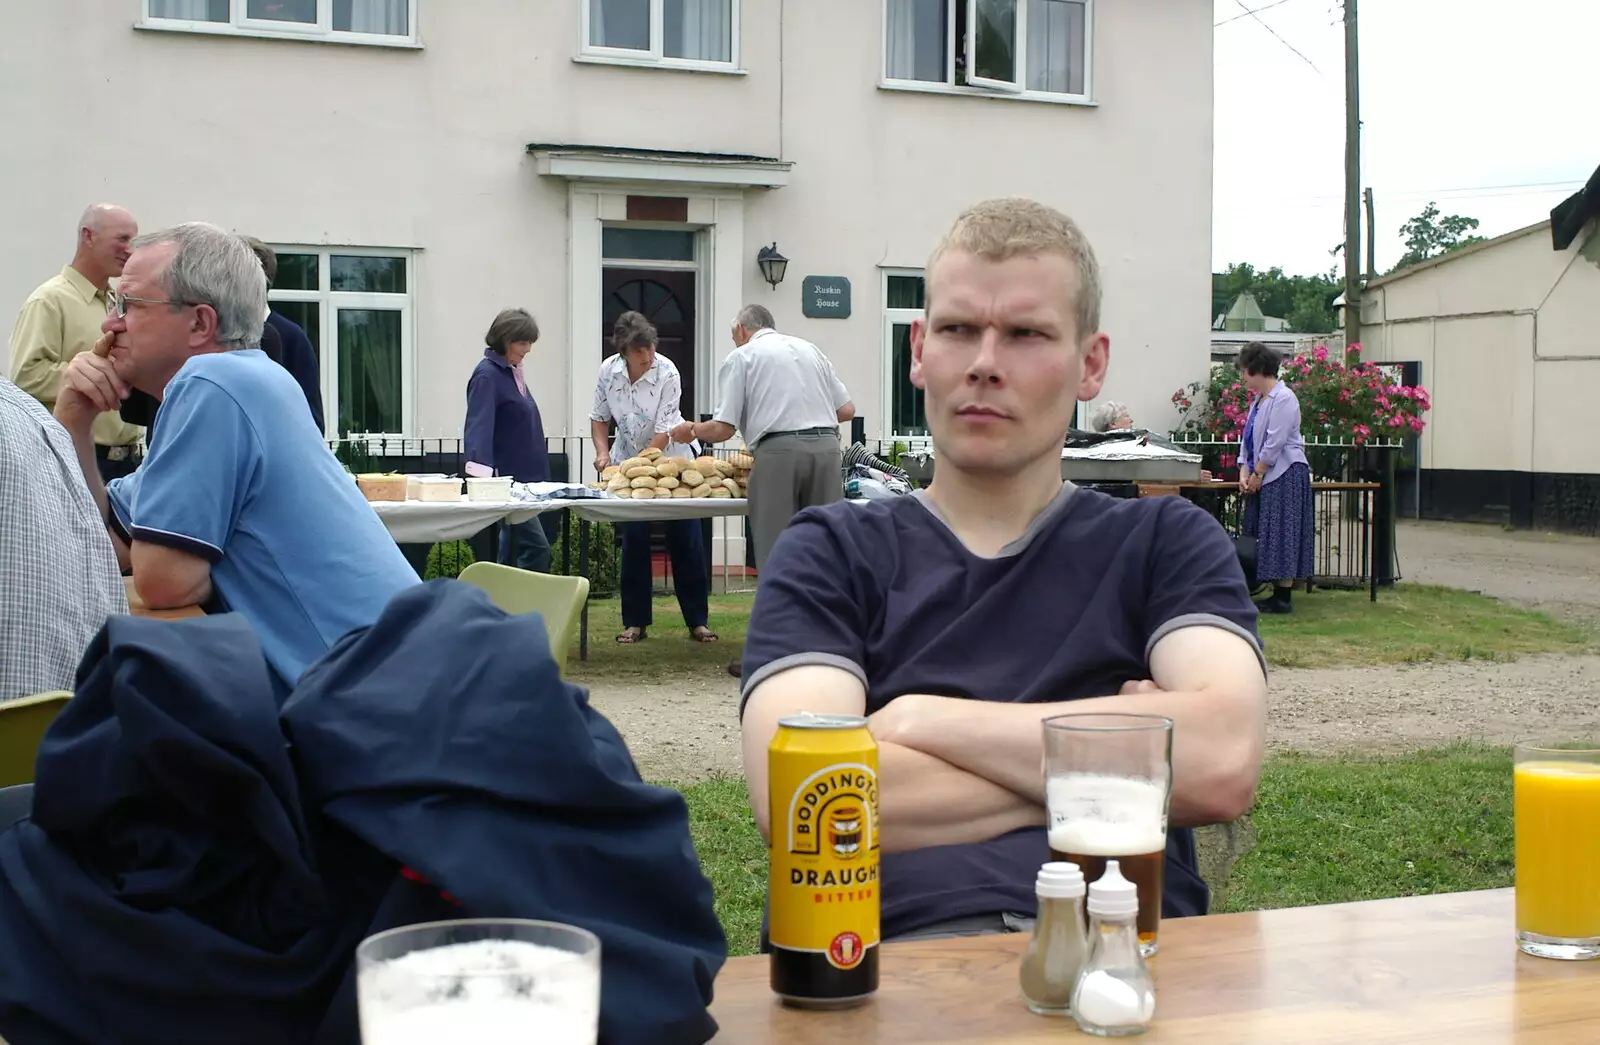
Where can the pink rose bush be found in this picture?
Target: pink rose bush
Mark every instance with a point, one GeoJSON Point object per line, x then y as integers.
{"type": "Point", "coordinates": [1341, 399]}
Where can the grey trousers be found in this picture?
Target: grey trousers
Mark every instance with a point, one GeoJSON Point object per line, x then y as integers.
{"type": "Point", "coordinates": [791, 472]}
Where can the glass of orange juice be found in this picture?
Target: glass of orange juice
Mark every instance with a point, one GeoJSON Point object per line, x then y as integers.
{"type": "Point", "coordinates": [1557, 800]}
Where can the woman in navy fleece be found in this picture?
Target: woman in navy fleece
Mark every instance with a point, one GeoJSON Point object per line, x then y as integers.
{"type": "Point", "coordinates": [504, 434]}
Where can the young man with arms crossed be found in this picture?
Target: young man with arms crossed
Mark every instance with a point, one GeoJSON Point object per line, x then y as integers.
{"type": "Point", "coordinates": [959, 618]}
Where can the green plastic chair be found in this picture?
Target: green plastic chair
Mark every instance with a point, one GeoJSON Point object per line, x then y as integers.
{"type": "Point", "coordinates": [22, 726]}
{"type": "Point", "coordinates": [558, 600]}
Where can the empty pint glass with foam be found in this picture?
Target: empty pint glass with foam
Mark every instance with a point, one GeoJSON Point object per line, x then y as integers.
{"type": "Point", "coordinates": [1108, 779]}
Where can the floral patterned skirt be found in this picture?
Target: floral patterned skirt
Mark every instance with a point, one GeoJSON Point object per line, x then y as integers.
{"type": "Point", "coordinates": [1281, 520]}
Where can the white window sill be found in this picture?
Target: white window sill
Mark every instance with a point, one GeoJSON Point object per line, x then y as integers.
{"type": "Point", "coordinates": [679, 65]}
{"type": "Point", "coordinates": [916, 87]}
{"type": "Point", "coordinates": [224, 29]}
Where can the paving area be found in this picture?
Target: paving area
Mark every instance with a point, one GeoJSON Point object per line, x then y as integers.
{"type": "Point", "coordinates": [686, 731]}
{"type": "Point", "coordinates": [1551, 572]}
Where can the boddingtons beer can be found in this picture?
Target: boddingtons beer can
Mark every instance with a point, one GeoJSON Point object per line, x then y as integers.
{"type": "Point", "coordinates": [823, 887]}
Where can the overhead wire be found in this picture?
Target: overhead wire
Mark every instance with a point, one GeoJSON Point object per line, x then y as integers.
{"type": "Point", "coordinates": [1274, 32]}
{"type": "Point", "coordinates": [1250, 11]}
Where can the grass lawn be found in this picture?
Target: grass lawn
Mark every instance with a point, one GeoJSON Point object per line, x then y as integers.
{"type": "Point", "coordinates": [668, 652]}
{"type": "Point", "coordinates": [1333, 830]}
{"type": "Point", "coordinates": [1407, 624]}
{"type": "Point", "coordinates": [1411, 622]}
{"type": "Point", "coordinates": [1327, 831]}
{"type": "Point", "coordinates": [732, 855]}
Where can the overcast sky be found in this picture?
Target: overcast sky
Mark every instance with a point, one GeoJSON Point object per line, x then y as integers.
{"type": "Point", "coordinates": [1487, 107]}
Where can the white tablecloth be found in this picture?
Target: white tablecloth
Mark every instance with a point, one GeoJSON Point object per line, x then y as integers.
{"type": "Point", "coordinates": [425, 522]}
{"type": "Point", "coordinates": [617, 509]}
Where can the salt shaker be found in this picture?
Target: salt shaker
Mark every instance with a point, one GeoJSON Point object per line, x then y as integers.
{"type": "Point", "coordinates": [1060, 943]}
{"type": "Point", "coordinates": [1114, 995]}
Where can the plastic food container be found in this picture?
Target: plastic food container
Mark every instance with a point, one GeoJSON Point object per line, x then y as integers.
{"type": "Point", "coordinates": [412, 492]}
{"type": "Point", "coordinates": [376, 486]}
{"type": "Point", "coordinates": [497, 488]}
{"type": "Point", "coordinates": [437, 488]}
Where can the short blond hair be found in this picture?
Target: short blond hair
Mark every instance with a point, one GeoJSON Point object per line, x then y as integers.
{"type": "Point", "coordinates": [997, 230]}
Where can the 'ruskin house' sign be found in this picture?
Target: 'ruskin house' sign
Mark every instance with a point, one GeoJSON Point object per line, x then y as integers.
{"type": "Point", "coordinates": [825, 297]}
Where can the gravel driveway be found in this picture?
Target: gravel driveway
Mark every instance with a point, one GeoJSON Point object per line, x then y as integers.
{"type": "Point", "coordinates": [1550, 572]}
{"type": "Point", "coordinates": [685, 731]}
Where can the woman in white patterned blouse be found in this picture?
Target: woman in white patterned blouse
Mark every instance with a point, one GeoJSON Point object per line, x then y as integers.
{"type": "Point", "coordinates": [639, 391]}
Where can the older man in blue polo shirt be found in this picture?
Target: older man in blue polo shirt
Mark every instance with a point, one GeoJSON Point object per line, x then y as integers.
{"type": "Point", "coordinates": [960, 618]}
{"type": "Point", "coordinates": [239, 504]}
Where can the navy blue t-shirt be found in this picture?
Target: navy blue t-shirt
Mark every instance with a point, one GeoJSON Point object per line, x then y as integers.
{"type": "Point", "coordinates": [1068, 611]}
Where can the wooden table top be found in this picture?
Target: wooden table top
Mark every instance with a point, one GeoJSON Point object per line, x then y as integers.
{"type": "Point", "coordinates": [1428, 970]}
{"type": "Point", "coordinates": [137, 608]}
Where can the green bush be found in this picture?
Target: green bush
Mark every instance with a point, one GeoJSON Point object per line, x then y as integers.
{"type": "Point", "coordinates": [604, 557]}
{"type": "Point", "coordinates": [353, 454]}
{"type": "Point", "coordinates": [447, 560]}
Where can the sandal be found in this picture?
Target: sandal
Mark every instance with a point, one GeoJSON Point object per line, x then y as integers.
{"type": "Point", "coordinates": [630, 636]}
{"type": "Point", "coordinates": [703, 634]}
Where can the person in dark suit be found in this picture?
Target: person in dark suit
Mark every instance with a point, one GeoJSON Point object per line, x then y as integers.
{"type": "Point", "coordinates": [296, 352]}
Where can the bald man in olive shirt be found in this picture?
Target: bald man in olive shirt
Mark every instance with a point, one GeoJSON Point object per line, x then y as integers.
{"type": "Point", "coordinates": [62, 318]}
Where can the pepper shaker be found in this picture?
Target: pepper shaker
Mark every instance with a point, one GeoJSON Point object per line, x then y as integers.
{"type": "Point", "coordinates": [1060, 943]}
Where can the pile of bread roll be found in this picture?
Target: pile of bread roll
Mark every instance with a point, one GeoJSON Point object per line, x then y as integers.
{"type": "Point", "coordinates": [652, 475]}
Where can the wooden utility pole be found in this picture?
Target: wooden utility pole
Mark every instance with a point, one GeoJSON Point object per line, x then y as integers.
{"type": "Point", "coordinates": [1372, 238]}
{"type": "Point", "coordinates": [1352, 179]}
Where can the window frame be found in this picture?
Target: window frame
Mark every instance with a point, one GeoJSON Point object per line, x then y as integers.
{"type": "Point", "coordinates": [964, 47]}
{"type": "Point", "coordinates": [656, 57]}
{"type": "Point", "coordinates": [329, 302]}
{"type": "Point", "coordinates": [894, 317]}
{"type": "Point", "coordinates": [240, 24]}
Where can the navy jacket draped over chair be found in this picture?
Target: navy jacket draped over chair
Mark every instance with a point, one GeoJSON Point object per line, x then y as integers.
{"type": "Point", "coordinates": [200, 864]}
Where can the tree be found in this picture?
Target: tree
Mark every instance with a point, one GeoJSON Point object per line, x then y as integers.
{"type": "Point", "coordinates": [1429, 235]}
{"type": "Point", "coordinates": [1313, 308]}
{"type": "Point", "coordinates": [1305, 302]}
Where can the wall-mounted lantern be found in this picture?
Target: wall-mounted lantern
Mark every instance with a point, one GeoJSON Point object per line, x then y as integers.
{"type": "Point", "coordinates": [773, 265]}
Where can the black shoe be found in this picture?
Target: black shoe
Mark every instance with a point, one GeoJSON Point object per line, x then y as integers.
{"type": "Point", "coordinates": [1274, 605]}
{"type": "Point", "coordinates": [736, 669]}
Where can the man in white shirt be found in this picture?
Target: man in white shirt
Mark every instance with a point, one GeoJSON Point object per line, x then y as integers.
{"type": "Point", "coordinates": [782, 393]}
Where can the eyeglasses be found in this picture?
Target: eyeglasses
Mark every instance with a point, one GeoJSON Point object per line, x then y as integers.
{"type": "Point", "coordinates": [117, 303]}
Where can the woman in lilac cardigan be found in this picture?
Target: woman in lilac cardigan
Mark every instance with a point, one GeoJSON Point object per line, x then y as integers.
{"type": "Point", "coordinates": [1276, 480]}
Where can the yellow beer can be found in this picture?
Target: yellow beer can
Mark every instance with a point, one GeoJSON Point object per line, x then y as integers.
{"type": "Point", "coordinates": [822, 801]}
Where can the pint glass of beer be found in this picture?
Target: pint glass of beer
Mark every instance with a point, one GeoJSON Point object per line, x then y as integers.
{"type": "Point", "coordinates": [1557, 808]}
{"type": "Point", "coordinates": [1108, 779]}
{"type": "Point", "coordinates": [487, 981]}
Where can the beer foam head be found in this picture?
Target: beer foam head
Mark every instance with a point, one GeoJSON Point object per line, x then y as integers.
{"type": "Point", "coordinates": [480, 1022]}
{"type": "Point", "coordinates": [1094, 815]}
{"type": "Point", "coordinates": [483, 975]}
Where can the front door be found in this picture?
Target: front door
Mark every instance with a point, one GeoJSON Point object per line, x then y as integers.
{"type": "Point", "coordinates": [666, 298]}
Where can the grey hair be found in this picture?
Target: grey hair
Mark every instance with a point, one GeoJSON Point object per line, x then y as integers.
{"type": "Point", "coordinates": [755, 317]}
{"type": "Point", "coordinates": [215, 267]}
{"type": "Point", "coordinates": [1105, 415]}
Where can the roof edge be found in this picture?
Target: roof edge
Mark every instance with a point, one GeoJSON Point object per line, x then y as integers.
{"type": "Point", "coordinates": [1422, 266]}
{"type": "Point", "coordinates": [679, 155]}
